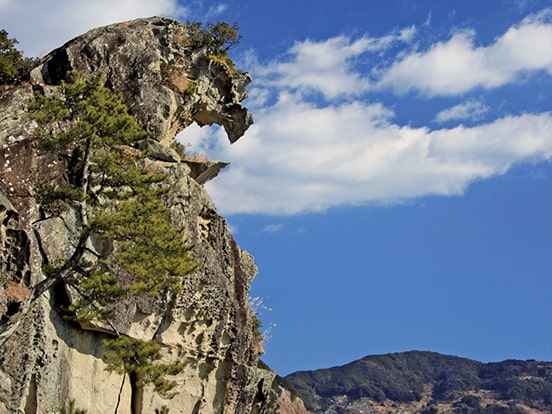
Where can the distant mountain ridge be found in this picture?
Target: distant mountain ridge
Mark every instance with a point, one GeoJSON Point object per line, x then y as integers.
{"type": "Point", "coordinates": [428, 383]}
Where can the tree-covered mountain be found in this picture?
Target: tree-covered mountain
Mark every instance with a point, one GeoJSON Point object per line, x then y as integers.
{"type": "Point", "coordinates": [427, 382]}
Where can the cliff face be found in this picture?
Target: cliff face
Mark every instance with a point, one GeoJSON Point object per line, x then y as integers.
{"type": "Point", "coordinates": [46, 360]}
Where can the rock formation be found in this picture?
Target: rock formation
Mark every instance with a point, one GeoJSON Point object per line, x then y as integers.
{"type": "Point", "coordinates": [46, 360]}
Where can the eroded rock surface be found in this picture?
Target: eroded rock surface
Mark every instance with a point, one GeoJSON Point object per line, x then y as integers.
{"type": "Point", "coordinates": [166, 88]}
{"type": "Point", "coordinates": [46, 360]}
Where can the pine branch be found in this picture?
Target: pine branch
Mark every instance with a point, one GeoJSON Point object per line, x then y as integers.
{"type": "Point", "coordinates": [65, 271]}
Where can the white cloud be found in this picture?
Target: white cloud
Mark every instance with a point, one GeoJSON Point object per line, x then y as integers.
{"type": "Point", "coordinates": [303, 154]}
{"type": "Point", "coordinates": [342, 67]}
{"type": "Point", "coordinates": [458, 65]}
{"type": "Point", "coordinates": [41, 26]}
{"type": "Point", "coordinates": [328, 66]}
{"type": "Point", "coordinates": [300, 158]}
{"type": "Point", "coordinates": [469, 110]}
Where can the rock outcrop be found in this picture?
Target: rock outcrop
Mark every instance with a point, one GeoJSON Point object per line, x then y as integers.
{"type": "Point", "coordinates": [147, 61]}
{"type": "Point", "coordinates": [46, 360]}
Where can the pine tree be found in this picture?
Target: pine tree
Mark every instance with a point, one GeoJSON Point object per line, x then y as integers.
{"type": "Point", "coordinates": [12, 63]}
{"type": "Point", "coordinates": [131, 355]}
{"type": "Point", "coordinates": [119, 200]}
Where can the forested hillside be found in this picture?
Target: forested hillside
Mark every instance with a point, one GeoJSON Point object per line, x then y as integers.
{"type": "Point", "coordinates": [427, 382]}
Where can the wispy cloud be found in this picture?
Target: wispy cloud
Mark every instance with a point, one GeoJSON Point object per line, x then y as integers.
{"type": "Point", "coordinates": [470, 110]}
{"type": "Point", "coordinates": [427, 21]}
{"type": "Point", "coordinates": [272, 228]}
{"type": "Point", "coordinates": [216, 10]}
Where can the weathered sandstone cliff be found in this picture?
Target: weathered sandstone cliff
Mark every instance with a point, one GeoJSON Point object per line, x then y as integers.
{"type": "Point", "coordinates": [46, 360]}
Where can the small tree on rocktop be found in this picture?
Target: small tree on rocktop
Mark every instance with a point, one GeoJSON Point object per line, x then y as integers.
{"type": "Point", "coordinates": [212, 40]}
{"type": "Point", "coordinates": [216, 39]}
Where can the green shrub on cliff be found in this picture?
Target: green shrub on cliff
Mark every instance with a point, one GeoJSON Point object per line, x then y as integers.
{"type": "Point", "coordinates": [12, 63]}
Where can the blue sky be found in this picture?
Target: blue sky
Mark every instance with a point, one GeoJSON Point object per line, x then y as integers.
{"type": "Point", "coordinates": [396, 187]}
